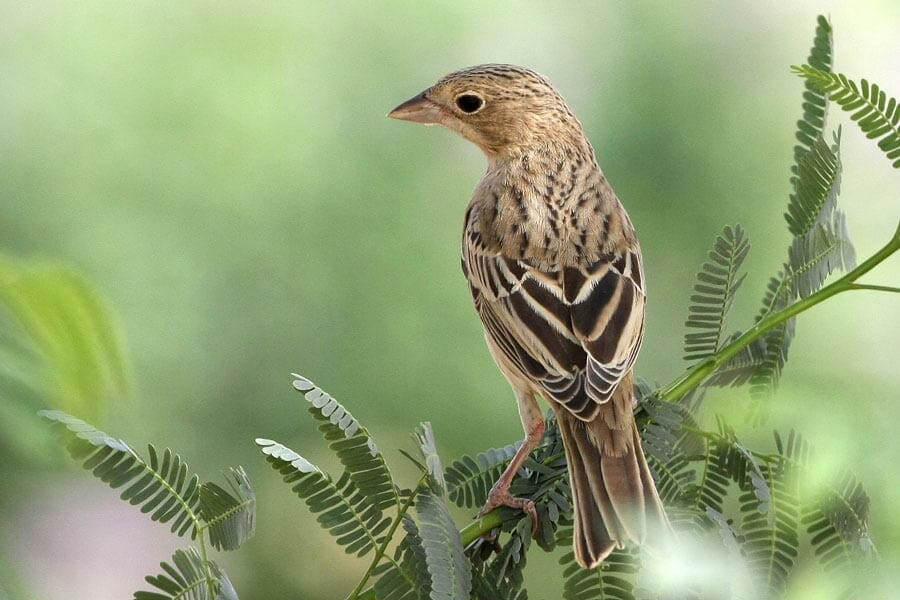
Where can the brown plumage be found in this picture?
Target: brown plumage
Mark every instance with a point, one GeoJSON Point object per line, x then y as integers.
{"type": "Point", "coordinates": [554, 267]}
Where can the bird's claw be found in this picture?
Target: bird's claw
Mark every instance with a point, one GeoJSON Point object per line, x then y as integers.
{"type": "Point", "coordinates": [502, 497]}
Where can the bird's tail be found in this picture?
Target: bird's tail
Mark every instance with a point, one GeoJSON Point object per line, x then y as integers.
{"type": "Point", "coordinates": [614, 496]}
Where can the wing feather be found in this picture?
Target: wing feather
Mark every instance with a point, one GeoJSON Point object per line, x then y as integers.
{"type": "Point", "coordinates": [574, 332]}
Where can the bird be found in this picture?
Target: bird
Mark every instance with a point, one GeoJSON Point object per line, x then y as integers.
{"type": "Point", "coordinates": [555, 271]}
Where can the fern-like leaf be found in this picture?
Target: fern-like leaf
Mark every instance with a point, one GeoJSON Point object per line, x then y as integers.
{"type": "Point", "coordinates": [230, 515]}
{"type": "Point", "coordinates": [815, 177]}
{"type": "Point", "coordinates": [776, 343]}
{"type": "Point", "coordinates": [407, 578]}
{"type": "Point", "coordinates": [353, 445]}
{"type": "Point", "coordinates": [614, 579]}
{"type": "Point", "coordinates": [741, 367]}
{"type": "Point", "coordinates": [711, 488]}
{"type": "Point", "coordinates": [838, 523]}
{"type": "Point", "coordinates": [771, 536]}
{"type": "Point", "coordinates": [162, 487]}
{"type": "Point", "coordinates": [815, 105]}
{"type": "Point", "coordinates": [347, 513]}
{"type": "Point", "coordinates": [661, 436]}
{"type": "Point", "coordinates": [469, 480]}
{"type": "Point", "coordinates": [189, 578]}
{"type": "Point", "coordinates": [716, 285]}
{"type": "Point", "coordinates": [449, 570]}
{"type": "Point", "coordinates": [876, 114]}
{"type": "Point", "coordinates": [814, 256]}
{"type": "Point", "coordinates": [483, 586]}
{"type": "Point", "coordinates": [815, 188]}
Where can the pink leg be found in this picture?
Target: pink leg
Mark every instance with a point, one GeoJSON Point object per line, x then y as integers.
{"type": "Point", "coordinates": [533, 422]}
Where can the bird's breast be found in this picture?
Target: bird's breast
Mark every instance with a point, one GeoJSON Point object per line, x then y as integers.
{"type": "Point", "coordinates": [545, 219]}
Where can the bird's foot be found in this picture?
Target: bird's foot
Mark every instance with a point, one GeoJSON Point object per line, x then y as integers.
{"type": "Point", "coordinates": [500, 496]}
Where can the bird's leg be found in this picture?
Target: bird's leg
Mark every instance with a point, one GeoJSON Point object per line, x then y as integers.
{"type": "Point", "coordinates": [533, 422]}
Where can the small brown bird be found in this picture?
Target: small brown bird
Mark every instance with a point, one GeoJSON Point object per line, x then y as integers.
{"type": "Point", "coordinates": [554, 267]}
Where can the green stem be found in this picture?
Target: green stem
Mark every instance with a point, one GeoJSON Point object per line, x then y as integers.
{"type": "Point", "coordinates": [483, 525]}
{"type": "Point", "coordinates": [210, 580]}
{"type": "Point", "coordinates": [877, 288]}
{"type": "Point", "coordinates": [357, 593]}
{"type": "Point", "coordinates": [694, 376]}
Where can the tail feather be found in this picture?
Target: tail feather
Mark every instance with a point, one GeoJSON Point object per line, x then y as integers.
{"type": "Point", "coordinates": [614, 496]}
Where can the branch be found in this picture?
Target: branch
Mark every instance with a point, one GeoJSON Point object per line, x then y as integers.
{"type": "Point", "coordinates": [695, 376]}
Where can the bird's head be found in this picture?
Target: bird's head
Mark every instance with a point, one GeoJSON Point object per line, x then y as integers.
{"type": "Point", "coordinates": [503, 109]}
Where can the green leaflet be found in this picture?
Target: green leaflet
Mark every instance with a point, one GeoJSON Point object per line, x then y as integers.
{"type": "Point", "coordinates": [230, 515]}
{"type": "Point", "coordinates": [717, 283]}
{"type": "Point", "coordinates": [345, 512]}
{"type": "Point", "coordinates": [449, 570]}
{"type": "Point", "coordinates": [163, 487]}
{"type": "Point", "coordinates": [470, 479]}
{"type": "Point", "coordinates": [354, 446]}
{"type": "Point", "coordinates": [815, 105]}
{"type": "Point", "coordinates": [451, 578]}
{"type": "Point", "coordinates": [187, 578]}
{"type": "Point", "coordinates": [613, 580]}
{"type": "Point", "coordinates": [876, 114]}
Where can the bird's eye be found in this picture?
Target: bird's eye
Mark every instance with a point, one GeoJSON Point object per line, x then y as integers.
{"type": "Point", "coordinates": [469, 103]}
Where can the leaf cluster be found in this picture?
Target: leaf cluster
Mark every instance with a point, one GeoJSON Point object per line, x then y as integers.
{"type": "Point", "coordinates": [820, 244]}
{"type": "Point", "coordinates": [164, 487]}
{"type": "Point", "coordinates": [363, 507]}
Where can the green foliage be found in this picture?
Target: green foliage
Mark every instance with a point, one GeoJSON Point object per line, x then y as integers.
{"type": "Point", "coordinates": [716, 285]}
{"type": "Point", "coordinates": [343, 510]}
{"type": "Point", "coordinates": [230, 516]}
{"type": "Point", "coordinates": [429, 561]}
{"type": "Point", "coordinates": [408, 577]}
{"type": "Point", "coordinates": [615, 580]}
{"type": "Point", "coordinates": [815, 106]}
{"type": "Point", "coordinates": [710, 474]}
{"type": "Point", "coordinates": [451, 577]}
{"type": "Point", "coordinates": [352, 444]}
{"type": "Point", "coordinates": [814, 187]}
{"type": "Point", "coordinates": [667, 445]}
{"type": "Point", "coordinates": [186, 579]}
{"type": "Point", "coordinates": [166, 488]}
{"type": "Point", "coordinates": [877, 115]}
{"type": "Point", "coordinates": [59, 346]}
{"type": "Point", "coordinates": [819, 246]}
{"type": "Point", "coordinates": [352, 507]}
{"type": "Point", "coordinates": [769, 525]}
{"type": "Point", "coordinates": [469, 480]}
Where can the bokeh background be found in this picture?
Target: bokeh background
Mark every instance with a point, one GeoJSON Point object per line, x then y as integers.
{"type": "Point", "coordinates": [223, 172]}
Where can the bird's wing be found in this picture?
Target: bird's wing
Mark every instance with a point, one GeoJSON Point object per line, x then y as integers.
{"type": "Point", "coordinates": [607, 315]}
{"type": "Point", "coordinates": [575, 332]}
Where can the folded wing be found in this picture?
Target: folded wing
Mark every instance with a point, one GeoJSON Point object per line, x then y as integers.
{"type": "Point", "coordinates": [575, 331]}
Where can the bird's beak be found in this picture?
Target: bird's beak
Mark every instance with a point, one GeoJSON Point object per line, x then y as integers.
{"type": "Point", "coordinates": [418, 109]}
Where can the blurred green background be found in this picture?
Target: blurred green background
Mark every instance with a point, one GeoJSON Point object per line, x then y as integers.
{"type": "Point", "coordinates": [224, 173]}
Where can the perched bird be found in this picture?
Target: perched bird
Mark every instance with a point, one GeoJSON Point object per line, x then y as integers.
{"type": "Point", "coordinates": [554, 267]}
